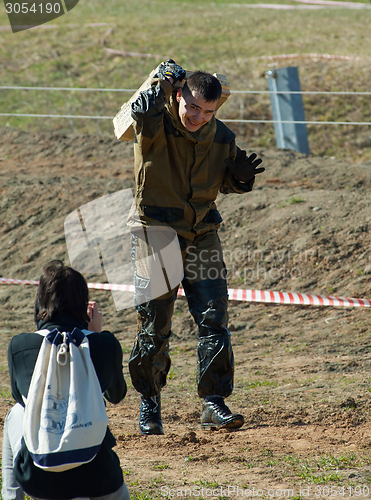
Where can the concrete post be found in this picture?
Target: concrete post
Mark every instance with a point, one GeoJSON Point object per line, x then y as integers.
{"type": "Point", "coordinates": [288, 108]}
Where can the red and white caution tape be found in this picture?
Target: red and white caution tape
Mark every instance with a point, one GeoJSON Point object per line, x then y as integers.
{"type": "Point", "coordinates": [264, 296]}
{"type": "Point", "coordinates": [9, 281]}
{"type": "Point", "coordinates": [295, 298]}
{"type": "Point", "coordinates": [110, 286]}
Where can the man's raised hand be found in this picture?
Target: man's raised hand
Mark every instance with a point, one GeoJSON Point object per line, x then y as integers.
{"type": "Point", "coordinates": [171, 71]}
{"type": "Point", "coordinates": [244, 168]}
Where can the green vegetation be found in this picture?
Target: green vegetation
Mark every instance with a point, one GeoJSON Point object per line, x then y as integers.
{"type": "Point", "coordinates": [292, 201]}
{"type": "Point", "coordinates": [160, 466]}
{"type": "Point", "coordinates": [125, 349]}
{"type": "Point", "coordinates": [142, 496]}
{"type": "Point", "coordinates": [6, 393]}
{"type": "Point", "coordinates": [206, 484]}
{"type": "Point", "coordinates": [325, 468]}
{"type": "Point", "coordinates": [296, 199]}
{"type": "Point", "coordinates": [309, 475]}
{"type": "Point", "coordinates": [215, 36]}
{"type": "Point", "coordinates": [259, 383]}
{"type": "Point", "coordinates": [172, 374]}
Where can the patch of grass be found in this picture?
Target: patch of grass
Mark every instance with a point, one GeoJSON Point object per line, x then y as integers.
{"type": "Point", "coordinates": [75, 56]}
{"type": "Point", "coordinates": [126, 350]}
{"type": "Point", "coordinates": [248, 465]}
{"type": "Point", "coordinates": [172, 375]}
{"type": "Point", "coordinates": [206, 484]}
{"type": "Point", "coordinates": [291, 201]}
{"type": "Point", "coordinates": [271, 463]}
{"type": "Point", "coordinates": [296, 348]}
{"type": "Point", "coordinates": [6, 394]}
{"type": "Point", "coordinates": [142, 496]}
{"type": "Point", "coordinates": [310, 475]}
{"type": "Point", "coordinates": [156, 481]}
{"type": "Point", "coordinates": [296, 199]}
{"type": "Point", "coordinates": [347, 461]}
{"type": "Point", "coordinates": [160, 466]}
{"type": "Point", "coordinates": [324, 468]}
{"type": "Point", "coordinates": [259, 383]}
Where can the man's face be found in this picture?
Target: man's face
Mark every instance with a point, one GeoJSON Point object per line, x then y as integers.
{"type": "Point", "coordinates": [194, 111]}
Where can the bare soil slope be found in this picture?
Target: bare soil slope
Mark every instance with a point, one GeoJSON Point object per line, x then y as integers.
{"type": "Point", "coordinates": [303, 374]}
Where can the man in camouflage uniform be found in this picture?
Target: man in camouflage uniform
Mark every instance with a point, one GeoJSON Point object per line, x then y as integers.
{"type": "Point", "coordinates": [183, 157]}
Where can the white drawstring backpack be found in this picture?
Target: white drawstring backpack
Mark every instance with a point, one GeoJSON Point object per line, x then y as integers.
{"type": "Point", "coordinates": [65, 418]}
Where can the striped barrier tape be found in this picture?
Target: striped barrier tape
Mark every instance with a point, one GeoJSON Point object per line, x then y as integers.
{"type": "Point", "coordinates": [263, 296]}
{"type": "Point", "coordinates": [293, 298]}
{"type": "Point", "coordinates": [9, 281]}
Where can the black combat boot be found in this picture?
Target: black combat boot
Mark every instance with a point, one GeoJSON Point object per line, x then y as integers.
{"type": "Point", "coordinates": [150, 415]}
{"type": "Point", "coordinates": [217, 415]}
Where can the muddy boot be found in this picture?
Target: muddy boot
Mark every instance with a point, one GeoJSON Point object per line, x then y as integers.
{"type": "Point", "coordinates": [217, 415]}
{"type": "Point", "coordinates": [150, 415]}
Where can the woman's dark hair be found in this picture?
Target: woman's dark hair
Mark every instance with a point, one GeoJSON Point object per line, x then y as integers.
{"type": "Point", "coordinates": [61, 291]}
{"type": "Point", "coordinates": [206, 84]}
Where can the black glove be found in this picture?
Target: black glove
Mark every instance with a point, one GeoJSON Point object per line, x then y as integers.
{"type": "Point", "coordinates": [244, 168]}
{"type": "Point", "coordinates": [170, 68]}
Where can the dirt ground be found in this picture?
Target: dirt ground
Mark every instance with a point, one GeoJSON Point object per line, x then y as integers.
{"type": "Point", "coordinates": [303, 373]}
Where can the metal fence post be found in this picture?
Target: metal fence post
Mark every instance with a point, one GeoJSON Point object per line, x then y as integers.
{"type": "Point", "coordinates": [288, 108]}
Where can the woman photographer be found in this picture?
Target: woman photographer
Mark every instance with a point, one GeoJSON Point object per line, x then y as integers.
{"type": "Point", "coordinates": [62, 302]}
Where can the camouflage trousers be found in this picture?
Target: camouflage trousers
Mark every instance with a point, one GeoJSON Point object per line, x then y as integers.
{"type": "Point", "coordinates": [205, 287]}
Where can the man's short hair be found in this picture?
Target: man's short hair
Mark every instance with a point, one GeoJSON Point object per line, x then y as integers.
{"type": "Point", "coordinates": [62, 291]}
{"type": "Point", "coordinates": [206, 84]}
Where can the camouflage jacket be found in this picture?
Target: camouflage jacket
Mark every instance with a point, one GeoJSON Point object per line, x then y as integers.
{"type": "Point", "coordinates": [178, 174]}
